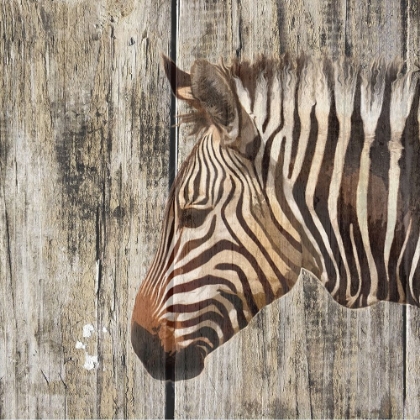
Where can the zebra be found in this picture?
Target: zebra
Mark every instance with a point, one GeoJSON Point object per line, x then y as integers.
{"type": "Point", "coordinates": [299, 163]}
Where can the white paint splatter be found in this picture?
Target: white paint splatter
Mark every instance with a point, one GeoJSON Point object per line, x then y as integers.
{"type": "Point", "coordinates": [88, 329]}
{"type": "Point", "coordinates": [80, 345]}
{"type": "Point", "coordinates": [91, 362]}
{"type": "Point", "coordinates": [104, 330]}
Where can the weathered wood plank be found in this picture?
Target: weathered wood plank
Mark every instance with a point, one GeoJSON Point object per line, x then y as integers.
{"type": "Point", "coordinates": [305, 356]}
{"type": "Point", "coordinates": [412, 31]}
{"type": "Point", "coordinates": [412, 369]}
{"type": "Point", "coordinates": [375, 29]}
{"type": "Point", "coordinates": [256, 26]}
{"type": "Point", "coordinates": [84, 161]}
{"type": "Point", "coordinates": [312, 27]}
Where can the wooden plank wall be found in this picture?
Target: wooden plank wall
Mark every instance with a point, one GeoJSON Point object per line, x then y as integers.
{"type": "Point", "coordinates": [84, 141]}
{"type": "Point", "coordinates": [84, 158]}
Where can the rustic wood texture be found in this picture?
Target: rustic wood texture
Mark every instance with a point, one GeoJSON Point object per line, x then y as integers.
{"type": "Point", "coordinates": [84, 149]}
{"type": "Point", "coordinates": [305, 356]}
{"type": "Point", "coordinates": [84, 158]}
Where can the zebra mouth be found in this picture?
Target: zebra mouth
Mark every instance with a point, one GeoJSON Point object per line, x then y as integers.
{"type": "Point", "coordinates": [184, 364]}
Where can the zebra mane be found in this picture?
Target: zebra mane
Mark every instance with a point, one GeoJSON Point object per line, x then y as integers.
{"type": "Point", "coordinates": [302, 68]}
{"type": "Point", "coordinates": [250, 72]}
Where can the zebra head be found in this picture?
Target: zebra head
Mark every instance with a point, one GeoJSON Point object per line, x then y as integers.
{"type": "Point", "coordinates": [224, 252]}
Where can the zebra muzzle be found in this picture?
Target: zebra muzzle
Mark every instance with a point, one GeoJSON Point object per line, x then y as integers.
{"type": "Point", "coordinates": [184, 364]}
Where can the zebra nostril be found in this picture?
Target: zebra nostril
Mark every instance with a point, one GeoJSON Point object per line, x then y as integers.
{"type": "Point", "coordinates": [185, 364]}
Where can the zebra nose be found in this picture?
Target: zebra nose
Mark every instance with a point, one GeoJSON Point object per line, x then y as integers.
{"type": "Point", "coordinates": [184, 364]}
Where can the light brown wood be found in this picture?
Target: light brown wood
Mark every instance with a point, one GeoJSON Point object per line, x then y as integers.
{"type": "Point", "coordinates": [84, 157]}
{"type": "Point", "coordinates": [84, 147]}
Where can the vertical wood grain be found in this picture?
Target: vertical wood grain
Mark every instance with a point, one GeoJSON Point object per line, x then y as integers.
{"type": "Point", "coordinates": [375, 29]}
{"type": "Point", "coordinates": [84, 161]}
{"type": "Point", "coordinates": [412, 370]}
{"type": "Point", "coordinates": [312, 27]}
{"type": "Point", "coordinates": [413, 31]}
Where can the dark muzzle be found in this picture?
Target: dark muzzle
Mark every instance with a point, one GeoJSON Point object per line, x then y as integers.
{"type": "Point", "coordinates": [184, 364]}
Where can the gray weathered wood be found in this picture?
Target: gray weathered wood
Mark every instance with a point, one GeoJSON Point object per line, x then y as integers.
{"type": "Point", "coordinates": [84, 140]}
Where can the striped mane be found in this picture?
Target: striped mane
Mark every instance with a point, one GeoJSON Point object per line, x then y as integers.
{"type": "Point", "coordinates": [263, 71]}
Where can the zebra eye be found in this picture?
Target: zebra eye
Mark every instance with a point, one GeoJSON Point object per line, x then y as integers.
{"type": "Point", "coordinates": [193, 217]}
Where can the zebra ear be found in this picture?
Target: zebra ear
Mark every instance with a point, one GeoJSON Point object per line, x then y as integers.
{"type": "Point", "coordinates": [209, 90]}
{"type": "Point", "coordinates": [211, 86]}
{"type": "Point", "coordinates": [180, 81]}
